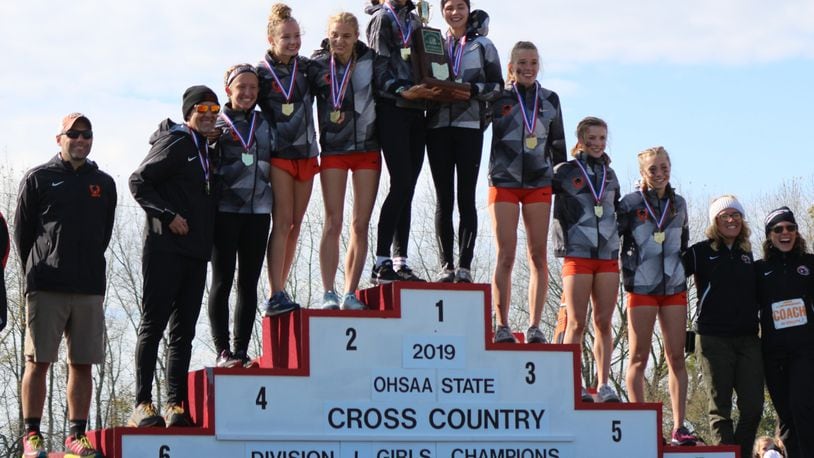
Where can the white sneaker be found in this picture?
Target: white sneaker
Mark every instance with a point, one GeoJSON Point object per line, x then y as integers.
{"type": "Point", "coordinates": [606, 394]}
{"type": "Point", "coordinates": [330, 301]}
{"type": "Point", "coordinates": [351, 302]}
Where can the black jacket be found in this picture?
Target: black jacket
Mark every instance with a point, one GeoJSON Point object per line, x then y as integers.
{"type": "Point", "coordinates": [4, 249]}
{"type": "Point", "coordinates": [786, 276]}
{"type": "Point", "coordinates": [171, 181]}
{"type": "Point", "coordinates": [62, 226]}
{"type": "Point", "coordinates": [724, 281]}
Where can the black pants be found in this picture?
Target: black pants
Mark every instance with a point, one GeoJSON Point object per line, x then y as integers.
{"type": "Point", "coordinates": [402, 135]}
{"type": "Point", "coordinates": [455, 152]}
{"type": "Point", "coordinates": [238, 238]}
{"type": "Point", "coordinates": [173, 288]}
{"type": "Point", "coordinates": [788, 378]}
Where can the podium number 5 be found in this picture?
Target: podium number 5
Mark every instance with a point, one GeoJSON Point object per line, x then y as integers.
{"type": "Point", "coordinates": [616, 428]}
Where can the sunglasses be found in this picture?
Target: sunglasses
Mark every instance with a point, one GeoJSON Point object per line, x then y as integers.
{"type": "Point", "coordinates": [791, 229]}
{"type": "Point", "coordinates": [214, 109]}
{"type": "Point", "coordinates": [74, 134]}
{"type": "Point", "coordinates": [735, 216]}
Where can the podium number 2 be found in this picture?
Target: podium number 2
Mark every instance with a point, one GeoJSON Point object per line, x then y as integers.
{"type": "Point", "coordinates": [531, 377]}
{"type": "Point", "coordinates": [350, 333]}
{"type": "Point", "coordinates": [616, 428]}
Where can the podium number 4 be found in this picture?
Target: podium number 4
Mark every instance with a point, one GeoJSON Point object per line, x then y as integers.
{"type": "Point", "coordinates": [260, 400]}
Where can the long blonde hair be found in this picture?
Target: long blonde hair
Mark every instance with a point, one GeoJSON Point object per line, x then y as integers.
{"type": "Point", "coordinates": [519, 46]}
{"type": "Point", "coordinates": [741, 241]}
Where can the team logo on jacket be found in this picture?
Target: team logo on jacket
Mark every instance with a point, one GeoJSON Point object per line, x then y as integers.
{"type": "Point", "coordinates": [745, 259]}
{"type": "Point", "coordinates": [803, 270]}
{"type": "Point", "coordinates": [578, 182]}
{"type": "Point", "coordinates": [506, 110]}
{"type": "Point", "coordinates": [276, 87]}
{"type": "Point", "coordinates": [641, 214]}
{"type": "Point", "coordinates": [95, 190]}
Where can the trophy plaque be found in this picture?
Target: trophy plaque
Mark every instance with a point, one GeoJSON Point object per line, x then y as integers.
{"type": "Point", "coordinates": [430, 65]}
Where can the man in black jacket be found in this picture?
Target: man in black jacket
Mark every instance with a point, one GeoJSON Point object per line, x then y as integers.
{"type": "Point", "coordinates": [174, 187]}
{"type": "Point", "coordinates": [62, 226]}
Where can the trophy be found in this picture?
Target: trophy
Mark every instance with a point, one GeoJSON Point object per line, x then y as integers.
{"type": "Point", "coordinates": [430, 65]}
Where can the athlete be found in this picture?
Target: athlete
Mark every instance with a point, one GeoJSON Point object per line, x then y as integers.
{"type": "Point", "coordinates": [527, 142]}
{"type": "Point", "coordinates": [586, 195]}
{"type": "Point", "coordinates": [654, 230]}
{"type": "Point", "coordinates": [455, 135]}
{"type": "Point", "coordinates": [347, 132]}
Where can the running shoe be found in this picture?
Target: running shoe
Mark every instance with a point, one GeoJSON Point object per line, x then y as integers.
{"type": "Point", "coordinates": [463, 275]}
{"type": "Point", "coordinates": [586, 396]}
{"type": "Point", "coordinates": [683, 436]}
{"type": "Point", "coordinates": [279, 303]}
{"type": "Point", "coordinates": [606, 394]}
{"type": "Point", "coordinates": [244, 359]}
{"type": "Point", "coordinates": [79, 446]}
{"type": "Point", "coordinates": [227, 359]}
{"type": "Point", "coordinates": [406, 274]}
{"type": "Point", "coordinates": [175, 415]}
{"type": "Point", "coordinates": [503, 334]}
{"type": "Point", "coordinates": [34, 446]}
{"type": "Point", "coordinates": [534, 335]}
{"type": "Point", "coordinates": [330, 301]}
{"type": "Point", "coordinates": [446, 276]}
{"type": "Point", "coordinates": [144, 415]}
{"type": "Point", "coordinates": [383, 274]}
{"type": "Point", "coordinates": [351, 302]}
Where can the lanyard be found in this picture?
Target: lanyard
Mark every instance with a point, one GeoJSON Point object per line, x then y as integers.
{"type": "Point", "coordinates": [338, 89]}
{"type": "Point", "coordinates": [247, 143]}
{"type": "Point", "coordinates": [286, 93]}
{"type": "Point", "coordinates": [597, 195]}
{"type": "Point", "coordinates": [659, 220]}
{"type": "Point", "coordinates": [204, 158]}
{"type": "Point", "coordinates": [530, 123]}
{"type": "Point", "coordinates": [456, 62]}
{"type": "Point", "coordinates": [406, 32]}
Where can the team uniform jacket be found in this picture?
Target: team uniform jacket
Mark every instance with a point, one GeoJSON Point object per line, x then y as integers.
{"type": "Point", "coordinates": [390, 69]}
{"type": "Point", "coordinates": [171, 181]}
{"type": "Point", "coordinates": [480, 67]}
{"type": "Point", "coordinates": [244, 175]}
{"type": "Point", "coordinates": [356, 131]}
{"type": "Point", "coordinates": [63, 225]}
{"type": "Point", "coordinates": [511, 164]}
{"type": "Point", "coordinates": [296, 134]}
{"type": "Point", "coordinates": [727, 295]}
{"type": "Point", "coordinates": [649, 267]}
{"type": "Point", "coordinates": [4, 250]}
{"type": "Point", "coordinates": [786, 276]}
{"type": "Point", "coordinates": [577, 231]}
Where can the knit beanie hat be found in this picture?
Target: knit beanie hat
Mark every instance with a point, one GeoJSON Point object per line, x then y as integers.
{"type": "Point", "coordinates": [778, 215]}
{"type": "Point", "coordinates": [195, 95]}
{"type": "Point", "coordinates": [722, 203]}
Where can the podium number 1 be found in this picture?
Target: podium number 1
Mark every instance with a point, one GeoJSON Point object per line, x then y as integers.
{"type": "Point", "coordinates": [440, 306]}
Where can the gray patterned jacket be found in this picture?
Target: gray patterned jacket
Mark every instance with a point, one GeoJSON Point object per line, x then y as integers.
{"type": "Point", "coordinates": [296, 136]}
{"type": "Point", "coordinates": [356, 131]}
{"type": "Point", "coordinates": [244, 174]}
{"type": "Point", "coordinates": [577, 230]}
{"type": "Point", "coordinates": [649, 267]}
{"type": "Point", "coordinates": [480, 66]}
{"type": "Point", "coordinates": [512, 164]}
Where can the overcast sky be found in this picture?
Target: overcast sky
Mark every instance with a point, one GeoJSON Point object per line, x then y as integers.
{"type": "Point", "coordinates": [724, 85]}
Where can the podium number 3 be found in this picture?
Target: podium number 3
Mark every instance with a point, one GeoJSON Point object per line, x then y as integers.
{"type": "Point", "coordinates": [531, 377]}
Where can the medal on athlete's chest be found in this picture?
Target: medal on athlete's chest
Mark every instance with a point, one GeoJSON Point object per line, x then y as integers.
{"type": "Point", "coordinates": [405, 53]}
{"type": "Point", "coordinates": [247, 158]}
{"type": "Point", "coordinates": [658, 237]}
{"type": "Point", "coordinates": [335, 115]}
{"type": "Point", "coordinates": [531, 142]}
{"type": "Point", "coordinates": [287, 109]}
{"type": "Point", "coordinates": [598, 211]}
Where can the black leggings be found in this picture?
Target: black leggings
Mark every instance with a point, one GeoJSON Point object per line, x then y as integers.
{"type": "Point", "coordinates": [242, 238]}
{"type": "Point", "coordinates": [788, 378]}
{"type": "Point", "coordinates": [455, 151]}
{"type": "Point", "coordinates": [173, 289]}
{"type": "Point", "coordinates": [402, 135]}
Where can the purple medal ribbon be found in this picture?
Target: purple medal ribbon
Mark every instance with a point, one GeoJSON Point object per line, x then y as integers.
{"type": "Point", "coordinates": [530, 123]}
{"type": "Point", "coordinates": [338, 90]}
{"type": "Point", "coordinates": [597, 196]}
{"type": "Point", "coordinates": [247, 144]}
{"type": "Point", "coordinates": [456, 65]}
{"type": "Point", "coordinates": [405, 36]}
{"type": "Point", "coordinates": [203, 158]}
{"type": "Point", "coordinates": [659, 221]}
{"type": "Point", "coordinates": [290, 92]}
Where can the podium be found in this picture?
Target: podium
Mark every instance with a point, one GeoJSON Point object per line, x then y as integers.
{"type": "Point", "coordinates": [415, 377]}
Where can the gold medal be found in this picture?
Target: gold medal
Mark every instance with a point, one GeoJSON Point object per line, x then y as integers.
{"type": "Point", "coordinates": [405, 53]}
{"type": "Point", "coordinates": [531, 142]}
{"type": "Point", "coordinates": [335, 114]}
{"type": "Point", "coordinates": [658, 237]}
{"type": "Point", "coordinates": [248, 159]}
{"type": "Point", "coordinates": [288, 109]}
{"type": "Point", "coordinates": [598, 211]}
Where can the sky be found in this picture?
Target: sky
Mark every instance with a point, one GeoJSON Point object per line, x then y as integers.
{"type": "Point", "coordinates": [724, 85]}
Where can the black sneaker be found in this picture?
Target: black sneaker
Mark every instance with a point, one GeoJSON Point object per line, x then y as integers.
{"type": "Point", "coordinates": [227, 359]}
{"type": "Point", "coordinates": [383, 274]}
{"type": "Point", "coordinates": [446, 276]}
{"type": "Point", "coordinates": [243, 358]}
{"type": "Point", "coordinates": [406, 274]}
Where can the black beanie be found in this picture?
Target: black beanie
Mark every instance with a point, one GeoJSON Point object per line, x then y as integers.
{"type": "Point", "coordinates": [195, 95]}
{"type": "Point", "coordinates": [778, 215]}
